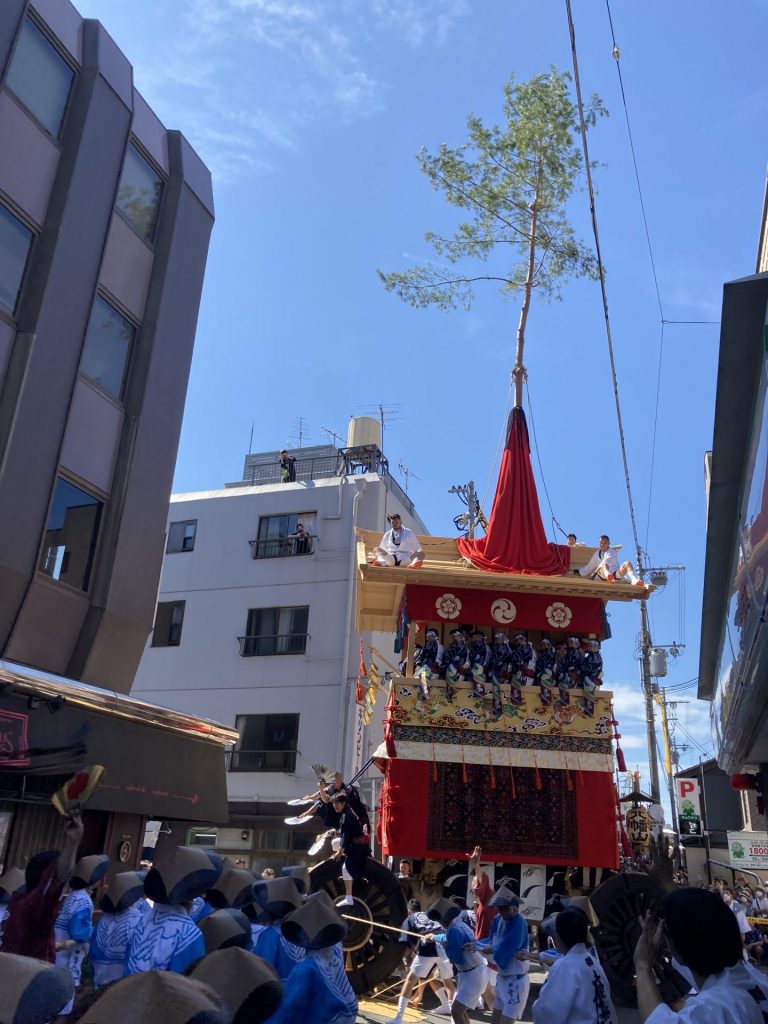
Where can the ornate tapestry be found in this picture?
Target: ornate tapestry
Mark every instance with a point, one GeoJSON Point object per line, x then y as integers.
{"type": "Point", "coordinates": [532, 823]}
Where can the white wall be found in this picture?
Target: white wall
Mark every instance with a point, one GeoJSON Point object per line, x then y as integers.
{"type": "Point", "coordinates": [219, 581]}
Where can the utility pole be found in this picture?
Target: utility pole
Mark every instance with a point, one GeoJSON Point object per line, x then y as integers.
{"type": "Point", "coordinates": [650, 722]}
{"type": "Point", "coordinates": [469, 518]}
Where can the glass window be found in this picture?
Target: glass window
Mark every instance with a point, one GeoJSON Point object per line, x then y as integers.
{"type": "Point", "coordinates": [275, 631]}
{"type": "Point", "coordinates": [281, 536]}
{"type": "Point", "coordinates": [169, 619]}
{"type": "Point", "coordinates": [15, 243]}
{"type": "Point", "coordinates": [70, 537]}
{"type": "Point", "coordinates": [40, 77]}
{"type": "Point", "coordinates": [107, 345]}
{"type": "Point", "coordinates": [138, 194]}
{"type": "Point", "coordinates": [267, 744]}
{"type": "Point", "coordinates": [181, 536]}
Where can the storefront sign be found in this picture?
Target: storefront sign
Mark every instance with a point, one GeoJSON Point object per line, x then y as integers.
{"type": "Point", "coordinates": [748, 850]}
{"type": "Point", "coordinates": [688, 798]}
{"type": "Point", "coordinates": [14, 744]}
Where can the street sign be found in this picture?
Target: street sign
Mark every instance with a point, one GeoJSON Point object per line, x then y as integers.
{"type": "Point", "coordinates": [748, 850]}
{"type": "Point", "coordinates": [688, 797]}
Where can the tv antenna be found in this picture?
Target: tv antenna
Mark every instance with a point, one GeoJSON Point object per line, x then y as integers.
{"type": "Point", "coordinates": [407, 473]}
{"type": "Point", "coordinates": [333, 436]}
{"type": "Point", "coordinates": [301, 432]}
{"type": "Point", "coordinates": [388, 413]}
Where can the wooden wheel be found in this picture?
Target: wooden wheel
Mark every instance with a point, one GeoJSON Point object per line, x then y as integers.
{"type": "Point", "coordinates": [371, 953]}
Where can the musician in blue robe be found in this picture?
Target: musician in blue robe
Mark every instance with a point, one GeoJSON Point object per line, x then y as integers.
{"type": "Point", "coordinates": [523, 658]}
{"type": "Point", "coordinates": [166, 938]}
{"type": "Point", "coordinates": [545, 660]}
{"type": "Point", "coordinates": [455, 663]}
{"type": "Point", "coordinates": [592, 673]}
{"type": "Point", "coordinates": [319, 991]}
{"type": "Point", "coordinates": [278, 897]}
{"type": "Point", "coordinates": [427, 661]}
{"type": "Point", "coordinates": [501, 672]}
{"type": "Point", "coordinates": [480, 657]}
{"type": "Point", "coordinates": [114, 930]}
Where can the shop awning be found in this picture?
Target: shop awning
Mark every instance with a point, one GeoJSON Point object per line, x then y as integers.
{"type": "Point", "coordinates": [160, 763]}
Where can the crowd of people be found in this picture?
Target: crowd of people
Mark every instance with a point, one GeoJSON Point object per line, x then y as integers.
{"type": "Point", "coordinates": [196, 939]}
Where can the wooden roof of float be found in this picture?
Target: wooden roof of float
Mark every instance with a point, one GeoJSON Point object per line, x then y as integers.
{"type": "Point", "coordinates": [380, 589]}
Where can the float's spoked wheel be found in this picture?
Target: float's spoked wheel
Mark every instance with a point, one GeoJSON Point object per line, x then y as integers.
{"type": "Point", "coordinates": [371, 953]}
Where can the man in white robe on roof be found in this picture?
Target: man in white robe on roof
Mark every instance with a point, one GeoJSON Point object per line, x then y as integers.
{"type": "Point", "coordinates": [398, 546]}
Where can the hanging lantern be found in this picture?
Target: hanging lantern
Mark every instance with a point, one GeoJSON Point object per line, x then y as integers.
{"type": "Point", "coordinates": [639, 826]}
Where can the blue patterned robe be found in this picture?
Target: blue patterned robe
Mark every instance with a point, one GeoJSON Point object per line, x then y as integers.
{"type": "Point", "coordinates": [165, 939]}
{"type": "Point", "coordinates": [319, 991]}
{"type": "Point", "coordinates": [109, 945]}
{"type": "Point", "coordinates": [74, 921]}
{"type": "Point", "coordinates": [278, 951]}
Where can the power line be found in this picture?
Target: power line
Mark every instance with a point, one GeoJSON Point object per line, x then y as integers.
{"type": "Point", "coordinates": [538, 459]}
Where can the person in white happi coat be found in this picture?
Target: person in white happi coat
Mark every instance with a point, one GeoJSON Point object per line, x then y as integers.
{"type": "Point", "coordinates": [576, 990]}
{"type": "Point", "coordinates": [604, 565]}
{"type": "Point", "coordinates": [114, 930]}
{"type": "Point", "coordinates": [398, 546]}
{"type": "Point", "coordinates": [703, 937]}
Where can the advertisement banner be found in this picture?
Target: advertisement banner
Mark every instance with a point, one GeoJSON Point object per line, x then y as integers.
{"type": "Point", "coordinates": [748, 850]}
{"type": "Point", "coordinates": [688, 796]}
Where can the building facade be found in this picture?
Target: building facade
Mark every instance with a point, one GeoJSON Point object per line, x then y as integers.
{"type": "Point", "coordinates": [255, 627]}
{"type": "Point", "coordinates": [105, 218]}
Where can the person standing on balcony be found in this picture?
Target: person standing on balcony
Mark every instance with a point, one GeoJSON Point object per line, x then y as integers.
{"type": "Point", "coordinates": [398, 546]}
{"type": "Point", "coordinates": [300, 540]}
{"type": "Point", "coordinates": [287, 467]}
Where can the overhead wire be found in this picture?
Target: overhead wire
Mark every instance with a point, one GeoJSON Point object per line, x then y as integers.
{"type": "Point", "coordinates": [601, 272]}
{"type": "Point", "coordinates": [555, 523]}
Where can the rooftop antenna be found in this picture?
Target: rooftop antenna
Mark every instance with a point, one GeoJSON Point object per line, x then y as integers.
{"type": "Point", "coordinates": [333, 436]}
{"type": "Point", "coordinates": [406, 473]}
{"type": "Point", "coordinates": [387, 414]}
{"type": "Point", "coordinates": [250, 443]}
{"type": "Point", "coordinates": [301, 432]}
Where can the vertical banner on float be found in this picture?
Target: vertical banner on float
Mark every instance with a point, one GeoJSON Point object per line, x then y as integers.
{"type": "Point", "coordinates": [359, 742]}
{"type": "Point", "coordinates": [533, 891]}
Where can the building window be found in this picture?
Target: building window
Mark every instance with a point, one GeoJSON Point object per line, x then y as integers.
{"type": "Point", "coordinates": [280, 536]}
{"type": "Point", "coordinates": [40, 77]}
{"type": "Point", "coordinates": [275, 631]}
{"type": "Point", "coordinates": [15, 243]}
{"type": "Point", "coordinates": [268, 743]}
{"type": "Point", "coordinates": [70, 536]}
{"type": "Point", "coordinates": [138, 194]}
{"type": "Point", "coordinates": [169, 618]}
{"type": "Point", "coordinates": [108, 342]}
{"type": "Point", "coordinates": [181, 536]}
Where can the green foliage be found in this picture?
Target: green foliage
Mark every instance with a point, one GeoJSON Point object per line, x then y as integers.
{"type": "Point", "coordinates": [514, 182]}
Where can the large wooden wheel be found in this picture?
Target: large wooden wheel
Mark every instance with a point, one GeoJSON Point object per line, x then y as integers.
{"type": "Point", "coordinates": [372, 953]}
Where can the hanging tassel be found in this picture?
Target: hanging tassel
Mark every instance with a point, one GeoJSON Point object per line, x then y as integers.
{"type": "Point", "coordinates": [537, 777]}
{"type": "Point", "coordinates": [620, 761]}
{"type": "Point", "coordinates": [512, 790]}
{"type": "Point", "coordinates": [434, 762]}
{"type": "Point", "coordinates": [568, 780]}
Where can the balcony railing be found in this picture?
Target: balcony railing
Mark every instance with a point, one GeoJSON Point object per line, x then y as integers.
{"type": "Point", "coordinates": [261, 761]}
{"type": "Point", "coordinates": [282, 547]}
{"type": "Point", "coordinates": [264, 646]}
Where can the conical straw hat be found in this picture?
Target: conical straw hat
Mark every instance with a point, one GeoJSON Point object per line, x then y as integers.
{"type": "Point", "coordinates": [504, 897]}
{"type": "Point", "coordinates": [300, 874]}
{"type": "Point", "coordinates": [278, 896]}
{"type": "Point", "coordinates": [183, 874]}
{"type": "Point", "coordinates": [248, 985]}
{"type": "Point", "coordinates": [234, 888]}
{"type": "Point", "coordinates": [443, 910]}
{"type": "Point", "coordinates": [89, 870]}
{"type": "Point", "coordinates": [224, 928]}
{"type": "Point", "coordinates": [31, 991]}
{"type": "Point", "coordinates": [124, 890]}
{"type": "Point", "coordinates": [157, 996]}
{"type": "Point", "coordinates": [314, 925]}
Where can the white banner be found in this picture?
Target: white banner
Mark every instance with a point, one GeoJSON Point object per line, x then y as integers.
{"type": "Point", "coordinates": [533, 891]}
{"type": "Point", "coordinates": [748, 850]}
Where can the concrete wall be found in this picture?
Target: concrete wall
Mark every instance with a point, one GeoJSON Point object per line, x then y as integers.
{"type": "Point", "coordinates": [219, 581]}
{"type": "Point", "coordinates": [52, 420]}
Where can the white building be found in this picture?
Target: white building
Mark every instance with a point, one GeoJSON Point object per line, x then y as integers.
{"type": "Point", "coordinates": [256, 629]}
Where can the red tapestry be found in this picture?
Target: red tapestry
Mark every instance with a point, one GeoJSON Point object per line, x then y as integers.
{"type": "Point", "coordinates": [507, 609]}
{"type": "Point", "coordinates": [427, 811]}
{"type": "Point", "coordinates": [515, 540]}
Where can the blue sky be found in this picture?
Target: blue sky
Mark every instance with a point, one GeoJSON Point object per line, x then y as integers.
{"type": "Point", "coordinates": [310, 113]}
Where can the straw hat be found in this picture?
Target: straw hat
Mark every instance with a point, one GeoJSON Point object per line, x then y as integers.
{"type": "Point", "coordinates": [31, 991]}
{"type": "Point", "coordinates": [248, 985]}
{"type": "Point", "coordinates": [182, 875]}
{"type": "Point", "coordinates": [278, 896]}
{"type": "Point", "coordinates": [234, 888]}
{"type": "Point", "coordinates": [11, 882]}
{"type": "Point", "coordinates": [124, 890]}
{"type": "Point", "coordinates": [89, 870]}
{"type": "Point", "coordinates": [443, 910]}
{"type": "Point", "coordinates": [300, 874]}
{"type": "Point", "coordinates": [157, 995]}
{"type": "Point", "coordinates": [315, 925]}
{"type": "Point", "coordinates": [584, 904]}
{"type": "Point", "coordinates": [505, 897]}
{"type": "Point", "coordinates": [224, 928]}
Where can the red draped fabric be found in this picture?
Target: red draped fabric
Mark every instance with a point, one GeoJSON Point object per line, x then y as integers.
{"type": "Point", "coordinates": [515, 540]}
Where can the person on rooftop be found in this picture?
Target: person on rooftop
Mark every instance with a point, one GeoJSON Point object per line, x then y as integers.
{"type": "Point", "coordinates": [398, 546]}
{"type": "Point", "coordinates": [287, 467]}
{"type": "Point", "coordinates": [604, 565]}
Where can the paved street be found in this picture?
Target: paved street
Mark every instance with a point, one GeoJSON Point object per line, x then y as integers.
{"type": "Point", "coordinates": [378, 1011]}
